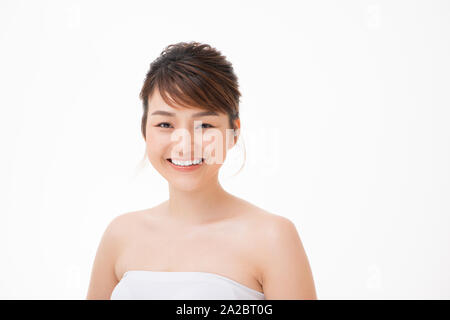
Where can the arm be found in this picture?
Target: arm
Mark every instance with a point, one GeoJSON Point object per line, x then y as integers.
{"type": "Point", "coordinates": [103, 278]}
{"type": "Point", "coordinates": [286, 271]}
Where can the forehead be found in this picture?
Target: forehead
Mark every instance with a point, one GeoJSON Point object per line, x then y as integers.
{"type": "Point", "coordinates": [157, 103]}
{"type": "Point", "coordinates": [155, 100]}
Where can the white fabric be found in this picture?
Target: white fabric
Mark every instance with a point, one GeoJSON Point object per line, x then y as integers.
{"type": "Point", "coordinates": [188, 285]}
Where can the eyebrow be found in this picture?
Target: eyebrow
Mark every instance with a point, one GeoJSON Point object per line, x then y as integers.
{"type": "Point", "coordinates": [198, 114]}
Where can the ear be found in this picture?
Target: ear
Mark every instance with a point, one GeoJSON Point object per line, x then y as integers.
{"type": "Point", "coordinates": [237, 125]}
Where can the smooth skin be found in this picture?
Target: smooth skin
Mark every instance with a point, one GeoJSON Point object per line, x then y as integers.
{"type": "Point", "coordinates": [201, 227]}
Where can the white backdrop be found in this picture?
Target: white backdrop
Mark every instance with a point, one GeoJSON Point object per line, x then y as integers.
{"type": "Point", "coordinates": [344, 115]}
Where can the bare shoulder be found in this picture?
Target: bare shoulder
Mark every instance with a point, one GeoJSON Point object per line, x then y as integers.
{"type": "Point", "coordinates": [125, 227]}
{"type": "Point", "coordinates": [267, 222]}
{"type": "Point", "coordinates": [125, 219]}
{"type": "Point", "coordinates": [284, 269]}
{"type": "Point", "coordinates": [264, 226]}
{"type": "Point", "coordinates": [275, 231]}
{"type": "Point", "coordinates": [103, 275]}
{"type": "Point", "coordinates": [129, 221]}
{"type": "Point", "coordinates": [277, 226]}
{"type": "Point", "coordinates": [118, 227]}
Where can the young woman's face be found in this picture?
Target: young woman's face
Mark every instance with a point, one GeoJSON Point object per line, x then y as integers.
{"type": "Point", "coordinates": [175, 137]}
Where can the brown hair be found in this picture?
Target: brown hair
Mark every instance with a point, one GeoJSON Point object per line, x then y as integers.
{"type": "Point", "coordinates": [194, 75]}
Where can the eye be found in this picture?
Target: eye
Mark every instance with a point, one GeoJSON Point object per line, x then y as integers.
{"type": "Point", "coordinates": [163, 123]}
{"type": "Point", "coordinates": [208, 125]}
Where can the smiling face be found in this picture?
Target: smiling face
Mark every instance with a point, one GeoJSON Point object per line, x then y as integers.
{"type": "Point", "coordinates": [178, 138]}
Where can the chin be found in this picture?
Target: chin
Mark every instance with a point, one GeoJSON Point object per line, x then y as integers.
{"type": "Point", "coordinates": [183, 184]}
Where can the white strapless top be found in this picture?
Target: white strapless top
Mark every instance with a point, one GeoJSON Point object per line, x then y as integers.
{"type": "Point", "coordinates": [180, 285]}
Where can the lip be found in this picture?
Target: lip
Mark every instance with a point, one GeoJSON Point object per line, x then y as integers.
{"type": "Point", "coordinates": [187, 168]}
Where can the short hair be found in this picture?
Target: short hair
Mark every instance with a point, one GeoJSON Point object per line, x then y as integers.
{"type": "Point", "coordinates": [194, 75]}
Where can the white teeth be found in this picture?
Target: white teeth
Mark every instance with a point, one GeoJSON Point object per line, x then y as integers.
{"type": "Point", "coordinates": [186, 163]}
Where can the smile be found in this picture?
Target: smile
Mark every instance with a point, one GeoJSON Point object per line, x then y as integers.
{"type": "Point", "coordinates": [185, 165]}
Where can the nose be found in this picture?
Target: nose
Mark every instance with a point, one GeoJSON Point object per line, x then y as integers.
{"type": "Point", "coordinates": [187, 143]}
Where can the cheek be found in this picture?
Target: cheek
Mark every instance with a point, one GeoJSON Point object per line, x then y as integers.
{"type": "Point", "coordinates": [215, 148]}
{"type": "Point", "coordinates": [156, 145]}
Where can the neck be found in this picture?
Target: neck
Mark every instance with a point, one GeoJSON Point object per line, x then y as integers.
{"type": "Point", "coordinates": [196, 206]}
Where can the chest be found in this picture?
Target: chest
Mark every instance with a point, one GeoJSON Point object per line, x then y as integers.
{"type": "Point", "coordinates": [223, 250]}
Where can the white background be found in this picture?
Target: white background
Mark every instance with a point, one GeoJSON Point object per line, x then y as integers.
{"type": "Point", "coordinates": [345, 114]}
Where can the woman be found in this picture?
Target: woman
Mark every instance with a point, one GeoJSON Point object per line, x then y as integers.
{"type": "Point", "coordinates": [203, 242]}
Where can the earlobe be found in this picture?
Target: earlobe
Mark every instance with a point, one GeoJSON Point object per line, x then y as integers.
{"type": "Point", "coordinates": [238, 127]}
{"type": "Point", "coordinates": [236, 132]}
{"type": "Point", "coordinates": [236, 136]}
